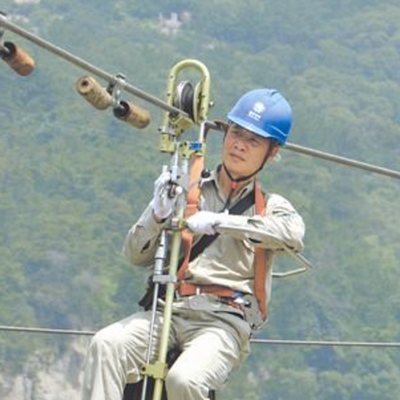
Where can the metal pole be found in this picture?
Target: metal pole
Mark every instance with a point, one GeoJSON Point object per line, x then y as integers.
{"type": "Point", "coordinates": [160, 260]}
{"type": "Point", "coordinates": [87, 66]}
{"type": "Point", "coordinates": [170, 292]}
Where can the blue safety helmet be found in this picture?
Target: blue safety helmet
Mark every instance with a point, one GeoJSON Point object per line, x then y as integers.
{"type": "Point", "coordinates": [264, 112]}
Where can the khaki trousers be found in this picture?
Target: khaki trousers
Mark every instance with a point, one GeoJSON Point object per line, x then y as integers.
{"type": "Point", "coordinates": [213, 342]}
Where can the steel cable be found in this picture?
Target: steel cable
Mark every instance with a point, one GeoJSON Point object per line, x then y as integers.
{"type": "Point", "coordinates": [279, 342]}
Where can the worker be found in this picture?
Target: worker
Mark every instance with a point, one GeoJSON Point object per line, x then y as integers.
{"type": "Point", "coordinates": [222, 294]}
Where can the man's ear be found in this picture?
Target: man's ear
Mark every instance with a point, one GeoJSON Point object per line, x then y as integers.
{"type": "Point", "coordinates": [273, 153]}
{"type": "Point", "coordinates": [275, 150]}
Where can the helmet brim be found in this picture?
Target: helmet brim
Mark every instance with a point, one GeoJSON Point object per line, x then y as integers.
{"type": "Point", "coordinates": [254, 129]}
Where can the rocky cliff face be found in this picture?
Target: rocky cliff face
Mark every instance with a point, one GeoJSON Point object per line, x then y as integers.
{"type": "Point", "coordinates": [58, 379]}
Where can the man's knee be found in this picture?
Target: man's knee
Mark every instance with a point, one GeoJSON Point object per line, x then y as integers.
{"type": "Point", "coordinates": [182, 386]}
{"type": "Point", "coordinates": [104, 343]}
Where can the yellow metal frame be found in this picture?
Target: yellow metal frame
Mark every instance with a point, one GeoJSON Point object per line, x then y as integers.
{"type": "Point", "coordinates": [174, 125]}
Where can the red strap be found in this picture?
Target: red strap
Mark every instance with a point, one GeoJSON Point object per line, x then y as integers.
{"type": "Point", "coordinates": [190, 289]}
{"type": "Point", "coordinates": [262, 259]}
{"type": "Point", "coordinates": [193, 196]}
{"type": "Point", "coordinates": [192, 207]}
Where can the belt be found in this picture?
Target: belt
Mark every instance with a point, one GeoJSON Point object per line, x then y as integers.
{"type": "Point", "coordinates": [225, 295]}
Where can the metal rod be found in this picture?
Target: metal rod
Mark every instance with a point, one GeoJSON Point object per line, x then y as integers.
{"type": "Point", "coordinates": [160, 259]}
{"type": "Point", "coordinates": [167, 314]}
{"type": "Point", "coordinates": [87, 66]}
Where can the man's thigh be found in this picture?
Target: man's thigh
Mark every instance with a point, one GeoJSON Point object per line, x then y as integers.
{"type": "Point", "coordinates": [208, 357]}
{"type": "Point", "coordinates": [130, 338]}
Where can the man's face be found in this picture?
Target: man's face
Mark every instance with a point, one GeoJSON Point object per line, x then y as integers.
{"type": "Point", "coordinates": [244, 152]}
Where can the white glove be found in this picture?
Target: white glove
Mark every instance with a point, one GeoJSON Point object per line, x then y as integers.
{"type": "Point", "coordinates": [163, 205]}
{"type": "Point", "coordinates": [205, 222]}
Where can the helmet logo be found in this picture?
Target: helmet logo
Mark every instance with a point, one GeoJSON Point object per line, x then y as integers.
{"type": "Point", "coordinates": [257, 110]}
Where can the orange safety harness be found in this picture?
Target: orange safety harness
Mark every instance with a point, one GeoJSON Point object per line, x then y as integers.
{"type": "Point", "coordinates": [262, 258]}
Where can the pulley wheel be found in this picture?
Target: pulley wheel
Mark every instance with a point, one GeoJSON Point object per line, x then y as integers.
{"type": "Point", "coordinates": [184, 98]}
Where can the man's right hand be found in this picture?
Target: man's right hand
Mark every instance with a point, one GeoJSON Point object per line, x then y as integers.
{"type": "Point", "coordinates": [163, 204]}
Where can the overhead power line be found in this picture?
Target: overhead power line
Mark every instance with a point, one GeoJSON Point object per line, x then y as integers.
{"type": "Point", "coordinates": [335, 158]}
{"type": "Point", "coordinates": [167, 107]}
{"type": "Point", "coordinates": [46, 331]}
{"type": "Point", "coordinates": [330, 343]}
{"type": "Point", "coordinates": [343, 160]}
{"type": "Point", "coordinates": [279, 342]}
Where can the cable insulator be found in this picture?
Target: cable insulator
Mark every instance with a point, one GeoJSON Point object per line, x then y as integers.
{"type": "Point", "coordinates": [93, 92]}
{"type": "Point", "coordinates": [20, 61]}
{"type": "Point", "coordinates": [132, 114]}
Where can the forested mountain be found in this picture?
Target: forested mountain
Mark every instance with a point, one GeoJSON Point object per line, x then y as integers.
{"type": "Point", "coordinates": [73, 179]}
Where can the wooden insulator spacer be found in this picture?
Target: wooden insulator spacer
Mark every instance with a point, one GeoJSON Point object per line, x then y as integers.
{"type": "Point", "coordinates": [20, 61]}
{"type": "Point", "coordinates": [93, 92]}
{"type": "Point", "coordinates": [132, 114]}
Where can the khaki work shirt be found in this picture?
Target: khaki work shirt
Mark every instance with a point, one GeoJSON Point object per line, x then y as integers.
{"type": "Point", "coordinates": [227, 261]}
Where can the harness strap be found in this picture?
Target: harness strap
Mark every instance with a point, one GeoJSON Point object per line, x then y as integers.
{"type": "Point", "coordinates": [190, 289]}
{"type": "Point", "coordinates": [224, 294]}
{"type": "Point", "coordinates": [206, 240]}
{"type": "Point", "coordinates": [192, 199]}
{"type": "Point", "coordinates": [262, 259]}
{"type": "Point", "coordinates": [192, 207]}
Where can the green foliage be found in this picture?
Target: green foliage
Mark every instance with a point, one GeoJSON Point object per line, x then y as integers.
{"type": "Point", "coordinates": [73, 179]}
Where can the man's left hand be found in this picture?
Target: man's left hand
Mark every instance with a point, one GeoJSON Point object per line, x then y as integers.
{"type": "Point", "coordinates": [205, 222]}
